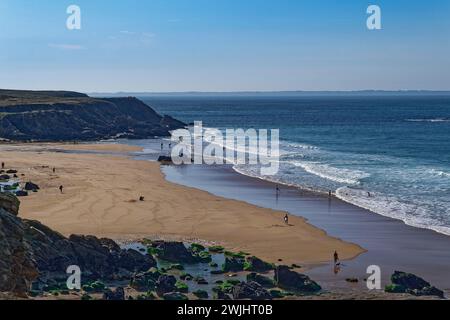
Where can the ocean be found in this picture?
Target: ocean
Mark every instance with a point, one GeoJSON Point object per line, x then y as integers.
{"type": "Point", "coordinates": [389, 154]}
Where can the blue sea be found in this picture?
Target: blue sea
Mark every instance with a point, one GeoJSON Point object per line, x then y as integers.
{"type": "Point", "coordinates": [395, 147]}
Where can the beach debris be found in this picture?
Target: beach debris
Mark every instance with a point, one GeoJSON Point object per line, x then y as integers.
{"type": "Point", "coordinates": [287, 279]}
{"type": "Point", "coordinates": [250, 290]}
{"type": "Point", "coordinates": [264, 281]}
{"type": "Point", "coordinates": [403, 282]}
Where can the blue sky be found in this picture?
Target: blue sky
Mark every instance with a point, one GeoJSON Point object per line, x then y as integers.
{"type": "Point", "coordinates": [224, 45]}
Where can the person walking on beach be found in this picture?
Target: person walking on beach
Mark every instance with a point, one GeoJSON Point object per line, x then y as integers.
{"type": "Point", "coordinates": [330, 194]}
{"type": "Point", "coordinates": [336, 259]}
{"type": "Point", "coordinates": [54, 170]}
{"type": "Point", "coordinates": [286, 219]}
{"type": "Point", "coordinates": [3, 165]}
{"type": "Point", "coordinates": [162, 146]}
{"type": "Point", "coordinates": [61, 188]}
{"type": "Point", "coordinates": [278, 190]}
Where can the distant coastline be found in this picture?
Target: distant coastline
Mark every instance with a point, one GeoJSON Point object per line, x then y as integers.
{"type": "Point", "coordinates": [277, 93]}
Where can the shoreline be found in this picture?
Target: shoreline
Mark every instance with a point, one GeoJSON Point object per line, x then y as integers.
{"type": "Point", "coordinates": [100, 193]}
{"type": "Point", "coordinates": [390, 243]}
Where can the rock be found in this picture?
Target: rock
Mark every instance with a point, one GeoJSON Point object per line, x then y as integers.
{"type": "Point", "coordinates": [260, 279]}
{"type": "Point", "coordinates": [30, 186]}
{"type": "Point", "coordinates": [5, 177]}
{"type": "Point", "coordinates": [352, 280]}
{"type": "Point", "coordinates": [201, 294]}
{"type": "Point", "coordinates": [21, 193]}
{"type": "Point", "coordinates": [287, 279]}
{"type": "Point", "coordinates": [165, 284]}
{"type": "Point", "coordinates": [145, 281]}
{"type": "Point", "coordinates": [175, 296]}
{"type": "Point", "coordinates": [116, 295]}
{"type": "Point", "coordinates": [250, 290]}
{"type": "Point", "coordinates": [403, 282]}
{"type": "Point", "coordinates": [11, 171]}
{"type": "Point", "coordinates": [201, 281]}
{"type": "Point", "coordinates": [165, 159]}
{"type": "Point", "coordinates": [173, 252]}
{"type": "Point", "coordinates": [219, 294]}
{"type": "Point", "coordinates": [233, 264]}
{"type": "Point", "coordinates": [257, 265]}
{"type": "Point", "coordinates": [17, 268]}
{"type": "Point", "coordinates": [9, 203]}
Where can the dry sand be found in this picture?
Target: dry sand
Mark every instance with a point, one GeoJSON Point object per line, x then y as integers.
{"type": "Point", "coordinates": [101, 195]}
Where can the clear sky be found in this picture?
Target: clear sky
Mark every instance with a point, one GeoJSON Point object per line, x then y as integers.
{"type": "Point", "coordinates": [224, 45]}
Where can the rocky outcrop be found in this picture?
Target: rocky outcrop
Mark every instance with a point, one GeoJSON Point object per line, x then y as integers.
{"type": "Point", "coordinates": [173, 252]}
{"type": "Point", "coordinates": [31, 252]}
{"type": "Point", "coordinates": [17, 269]}
{"type": "Point", "coordinates": [50, 116]}
{"type": "Point", "coordinates": [165, 284]}
{"type": "Point", "coordinates": [117, 295]}
{"type": "Point", "coordinates": [403, 282]}
{"type": "Point", "coordinates": [30, 186]}
{"type": "Point", "coordinates": [257, 265]}
{"type": "Point", "coordinates": [262, 280]}
{"type": "Point", "coordinates": [250, 290]}
{"type": "Point", "coordinates": [233, 264]}
{"type": "Point", "coordinates": [291, 280]}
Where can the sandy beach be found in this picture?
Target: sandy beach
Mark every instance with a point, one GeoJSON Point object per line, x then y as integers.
{"type": "Point", "coordinates": [101, 193]}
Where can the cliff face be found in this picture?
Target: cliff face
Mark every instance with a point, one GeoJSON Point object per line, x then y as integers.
{"type": "Point", "coordinates": [58, 116]}
{"type": "Point", "coordinates": [33, 253]}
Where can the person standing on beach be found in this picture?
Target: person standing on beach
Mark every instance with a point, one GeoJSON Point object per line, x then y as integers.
{"type": "Point", "coordinates": [278, 190]}
{"type": "Point", "coordinates": [162, 146]}
{"type": "Point", "coordinates": [61, 188]}
{"type": "Point", "coordinates": [286, 219]}
{"type": "Point", "coordinates": [3, 165]}
{"type": "Point", "coordinates": [336, 258]}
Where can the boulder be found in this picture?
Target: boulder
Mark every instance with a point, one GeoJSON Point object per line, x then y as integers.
{"type": "Point", "coordinates": [175, 296]}
{"type": "Point", "coordinates": [233, 264]}
{"type": "Point", "coordinates": [260, 279]}
{"type": "Point", "coordinates": [250, 290]}
{"type": "Point", "coordinates": [17, 268]}
{"type": "Point", "coordinates": [165, 284]}
{"type": "Point", "coordinates": [11, 171]}
{"type": "Point", "coordinates": [145, 281]}
{"type": "Point", "coordinates": [30, 186]}
{"type": "Point", "coordinates": [21, 193]}
{"type": "Point", "coordinates": [165, 159]}
{"type": "Point", "coordinates": [291, 280]}
{"type": "Point", "coordinates": [257, 265]}
{"type": "Point", "coordinates": [403, 282]}
{"type": "Point", "coordinates": [201, 294]}
{"type": "Point", "coordinates": [116, 295]}
{"type": "Point", "coordinates": [4, 177]}
{"type": "Point", "coordinates": [173, 252]}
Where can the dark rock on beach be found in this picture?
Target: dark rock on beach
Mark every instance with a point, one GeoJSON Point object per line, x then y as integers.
{"type": "Point", "coordinates": [260, 279]}
{"type": "Point", "coordinates": [250, 290]}
{"type": "Point", "coordinates": [30, 186]}
{"type": "Point", "coordinates": [165, 284]}
{"type": "Point", "coordinates": [173, 252]}
{"type": "Point", "coordinates": [116, 295]}
{"type": "Point", "coordinates": [257, 265]}
{"type": "Point", "coordinates": [403, 282]}
{"type": "Point", "coordinates": [291, 280]}
{"type": "Point", "coordinates": [233, 264]}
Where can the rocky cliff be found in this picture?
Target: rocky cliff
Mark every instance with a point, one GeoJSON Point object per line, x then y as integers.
{"type": "Point", "coordinates": [61, 115]}
{"type": "Point", "coordinates": [31, 253]}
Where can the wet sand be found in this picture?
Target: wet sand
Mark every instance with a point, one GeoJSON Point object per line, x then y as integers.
{"type": "Point", "coordinates": [390, 243]}
{"type": "Point", "coordinates": [101, 193]}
